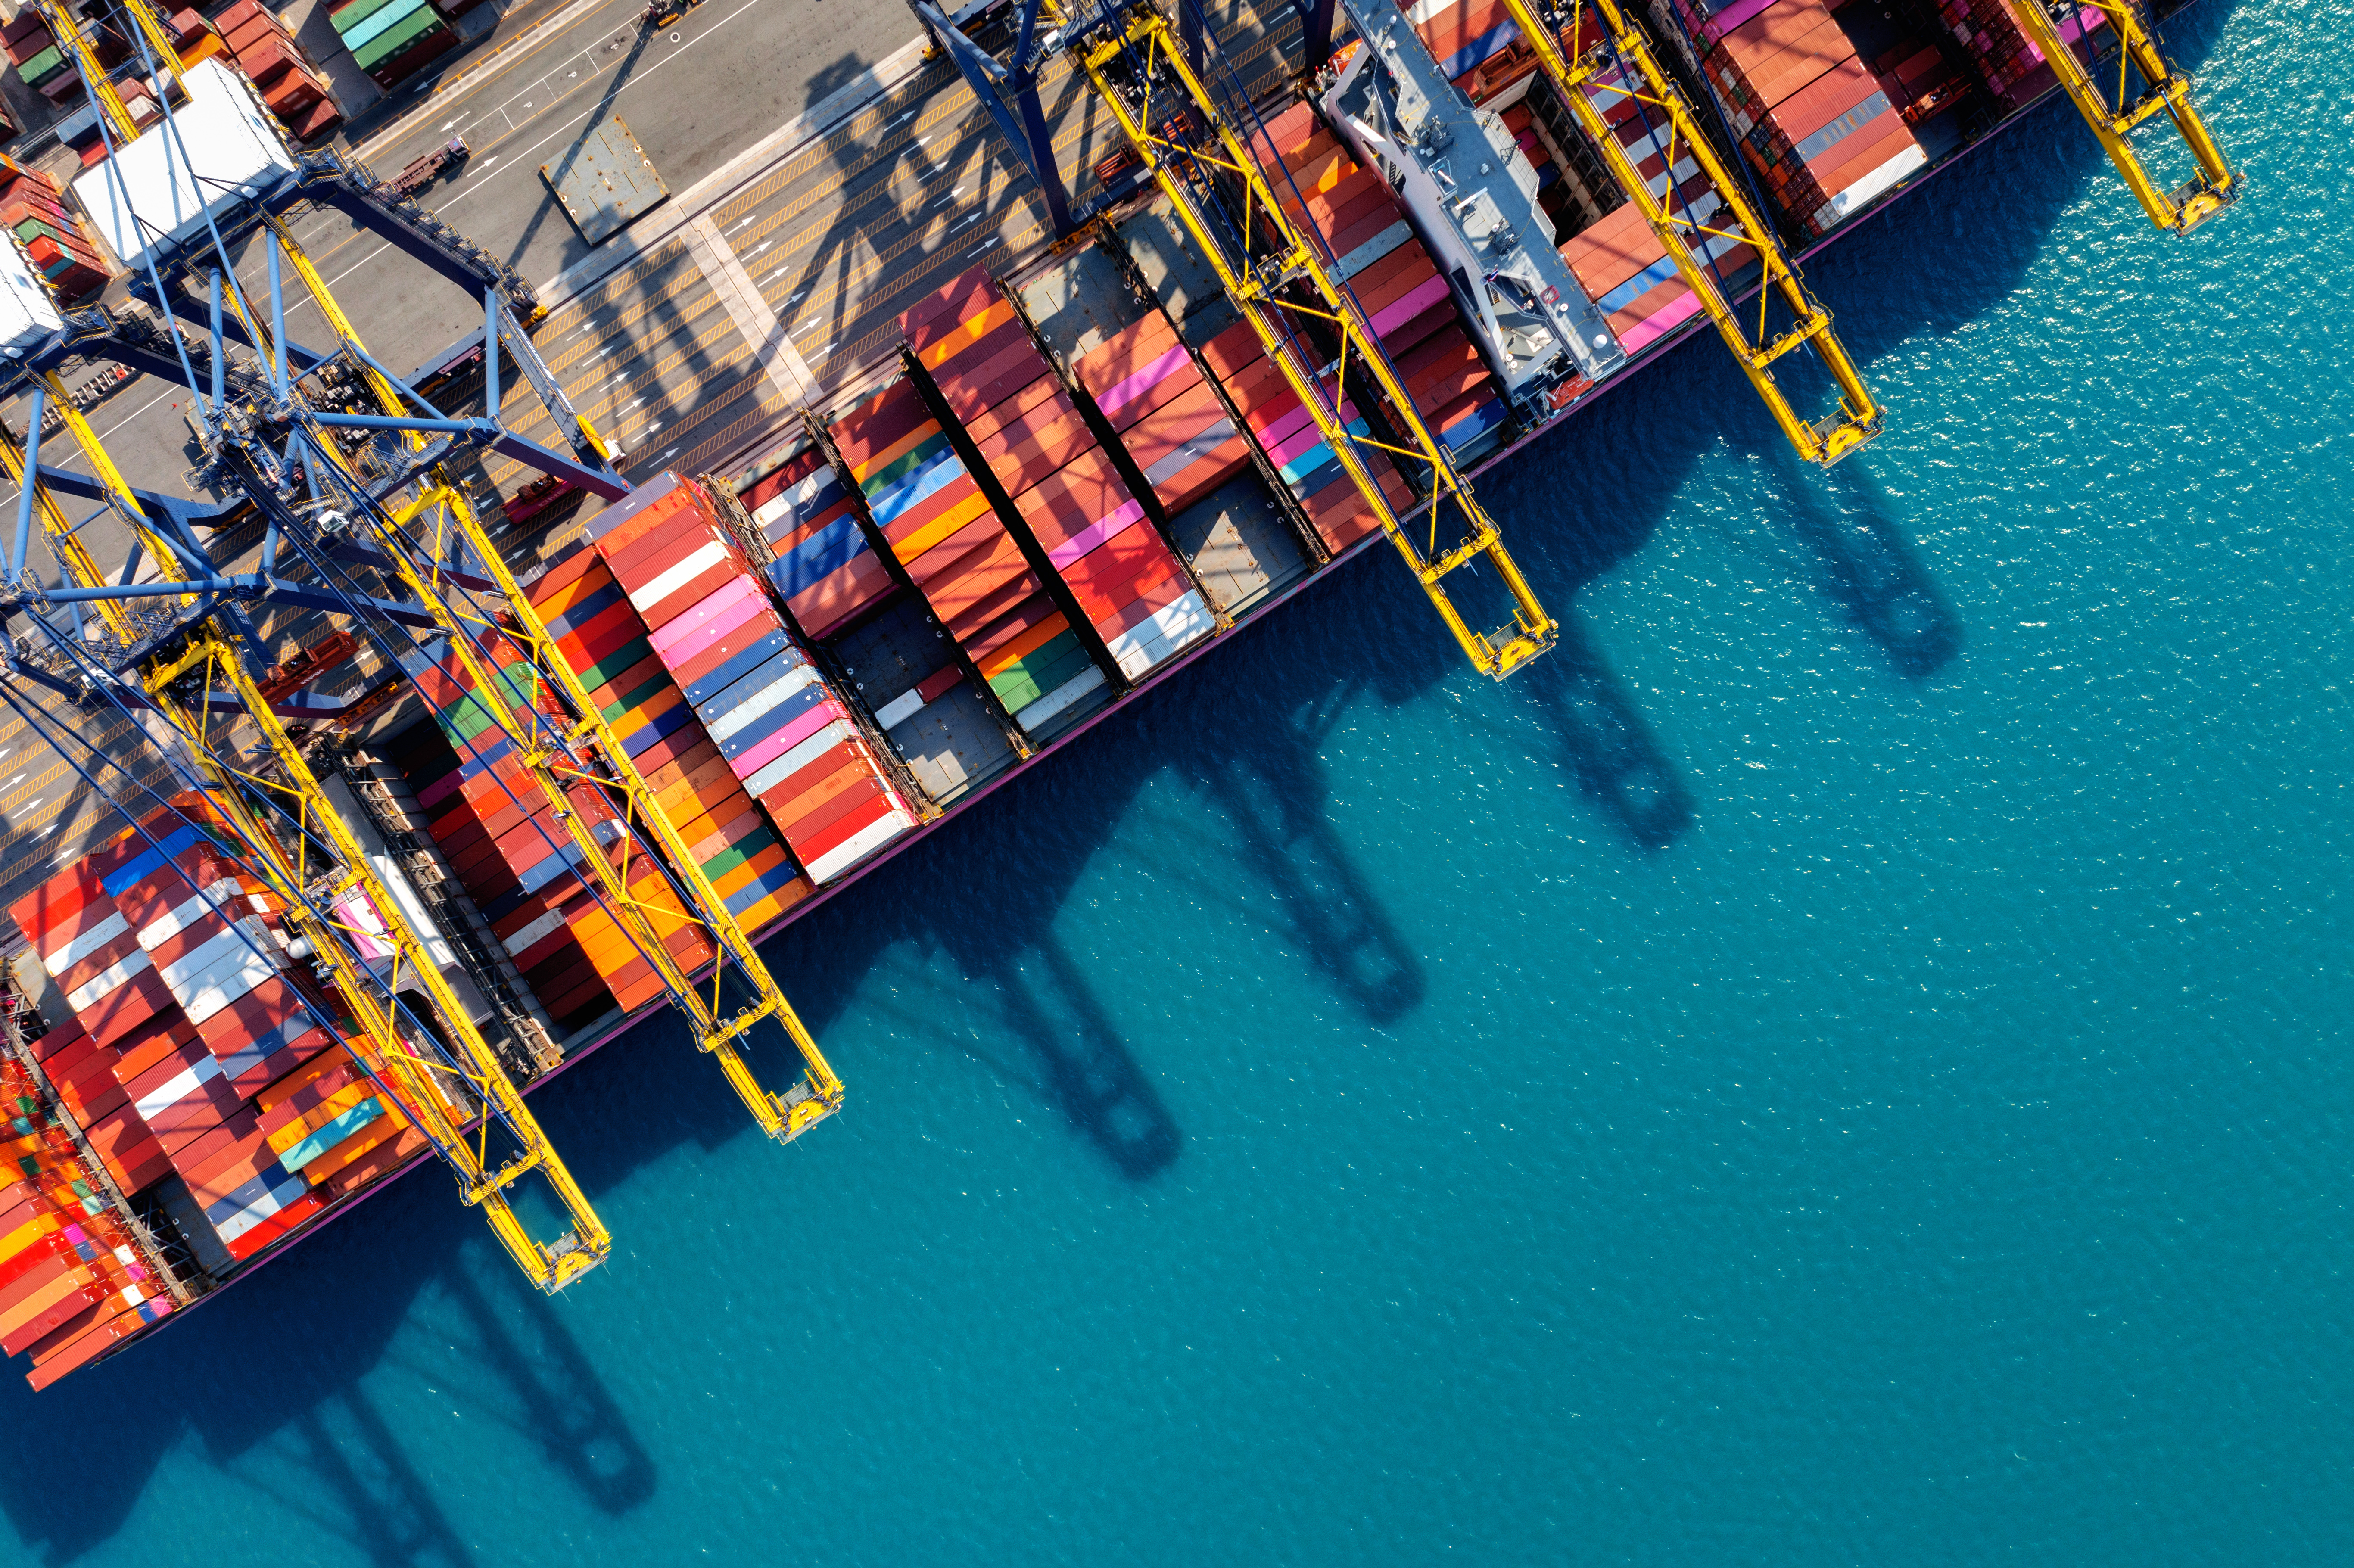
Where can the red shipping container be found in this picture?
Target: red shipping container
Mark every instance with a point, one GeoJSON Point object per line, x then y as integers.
{"type": "Point", "coordinates": [52, 918]}
{"type": "Point", "coordinates": [879, 422]}
{"type": "Point", "coordinates": [248, 34]}
{"type": "Point", "coordinates": [847, 827]}
{"type": "Point", "coordinates": [126, 1006]}
{"type": "Point", "coordinates": [265, 56]}
{"type": "Point", "coordinates": [201, 1147]}
{"type": "Point", "coordinates": [969, 548]}
{"type": "Point", "coordinates": [931, 318]}
{"type": "Point", "coordinates": [810, 830]}
{"type": "Point", "coordinates": [979, 340]}
{"type": "Point", "coordinates": [825, 606]}
{"type": "Point", "coordinates": [1008, 409]}
{"type": "Point", "coordinates": [967, 389]}
{"type": "Point", "coordinates": [270, 1005]}
{"type": "Point", "coordinates": [277, 1225]}
{"type": "Point", "coordinates": [960, 495]}
{"type": "Point", "coordinates": [294, 91]}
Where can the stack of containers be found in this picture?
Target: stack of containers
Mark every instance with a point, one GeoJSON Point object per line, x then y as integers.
{"type": "Point", "coordinates": [392, 39]}
{"type": "Point", "coordinates": [196, 38]}
{"type": "Point", "coordinates": [941, 528]}
{"type": "Point", "coordinates": [804, 500]}
{"type": "Point", "coordinates": [72, 1281]}
{"type": "Point", "coordinates": [777, 726]}
{"type": "Point", "coordinates": [822, 566]}
{"type": "Point", "coordinates": [531, 923]}
{"type": "Point", "coordinates": [1811, 118]}
{"type": "Point", "coordinates": [1134, 591]}
{"type": "Point", "coordinates": [50, 237]}
{"type": "Point", "coordinates": [164, 945]}
{"type": "Point", "coordinates": [290, 86]}
{"type": "Point", "coordinates": [70, 919]}
{"type": "Point", "coordinates": [1295, 445]}
{"type": "Point", "coordinates": [1165, 414]}
{"type": "Point", "coordinates": [2004, 55]}
{"type": "Point", "coordinates": [495, 821]}
{"type": "Point", "coordinates": [1405, 300]}
{"type": "Point", "coordinates": [43, 63]}
{"type": "Point", "coordinates": [1618, 260]}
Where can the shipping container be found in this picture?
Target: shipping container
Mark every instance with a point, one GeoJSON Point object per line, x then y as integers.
{"type": "Point", "coordinates": [761, 699]}
{"type": "Point", "coordinates": [1824, 128]}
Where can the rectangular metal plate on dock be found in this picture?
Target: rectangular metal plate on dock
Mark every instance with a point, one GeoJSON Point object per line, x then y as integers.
{"type": "Point", "coordinates": [605, 181]}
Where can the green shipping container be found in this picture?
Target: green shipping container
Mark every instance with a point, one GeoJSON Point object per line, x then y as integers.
{"type": "Point", "coordinates": [719, 865]}
{"type": "Point", "coordinates": [637, 699]}
{"type": "Point", "coordinates": [616, 664]}
{"type": "Point", "coordinates": [387, 19]}
{"type": "Point", "coordinates": [42, 66]}
{"type": "Point", "coordinates": [33, 228]}
{"type": "Point", "coordinates": [345, 19]}
{"type": "Point", "coordinates": [396, 38]}
{"type": "Point", "coordinates": [469, 717]}
{"type": "Point", "coordinates": [1039, 672]}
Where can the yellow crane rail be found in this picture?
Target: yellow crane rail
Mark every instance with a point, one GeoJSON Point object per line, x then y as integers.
{"type": "Point", "coordinates": [1533, 629]}
{"type": "Point", "coordinates": [1858, 418]}
{"type": "Point", "coordinates": [427, 530]}
{"type": "Point", "coordinates": [2215, 187]}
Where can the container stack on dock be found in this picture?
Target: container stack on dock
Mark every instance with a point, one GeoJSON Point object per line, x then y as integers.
{"type": "Point", "coordinates": [52, 238]}
{"type": "Point", "coordinates": [775, 729]}
{"type": "Point", "coordinates": [1321, 183]}
{"type": "Point", "coordinates": [262, 48]}
{"type": "Point", "coordinates": [392, 40]}
{"type": "Point", "coordinates": [43, 62]}
{"type": "Point", "coordinates": [1813, 120]}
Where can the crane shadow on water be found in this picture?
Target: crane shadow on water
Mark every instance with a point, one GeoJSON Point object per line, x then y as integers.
{"type": "Point", "coordinates": [267, 1385]}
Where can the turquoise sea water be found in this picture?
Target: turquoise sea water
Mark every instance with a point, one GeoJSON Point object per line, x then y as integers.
{"type": "Point", "coordinates": [1839, 1063]}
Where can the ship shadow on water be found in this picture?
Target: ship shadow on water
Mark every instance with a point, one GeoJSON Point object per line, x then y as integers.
{"type": "Point", "coordinates": [267, 1386]}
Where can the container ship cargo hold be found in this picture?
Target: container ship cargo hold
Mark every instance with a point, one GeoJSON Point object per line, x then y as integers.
{"type": "Point", "coordinates": [1075, 472]}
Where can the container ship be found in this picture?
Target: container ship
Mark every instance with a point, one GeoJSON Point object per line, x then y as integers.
{"type": "Point", "coordinates": [1077, 472]}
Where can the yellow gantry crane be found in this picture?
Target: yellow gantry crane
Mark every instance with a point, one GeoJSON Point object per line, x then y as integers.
{"type": "Point", "coordinates": [182, 687]}
{"type": "Point", "coordinates": [1144, 40]}
{"type": "Point", "coordinates": [420, 544]}
{"type": "Point", "coordinates": [2215, 187]}
{"type": "Point", "coordinates": [211, 663]}
{"type": "Point", "coordinates": [1858, 418]}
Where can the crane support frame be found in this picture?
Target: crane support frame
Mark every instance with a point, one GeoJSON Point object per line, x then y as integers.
{"type": "Point", "coordinates": [2215, 187]}
{"type": "Point", "coordinates": [210, 660]}
{"type": "Point", "coordinates": [1252, 287]}
{"type": "Point", "coordinates": [426, 564]}
{"type": "Point", "coordinates": [1859, 418]}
